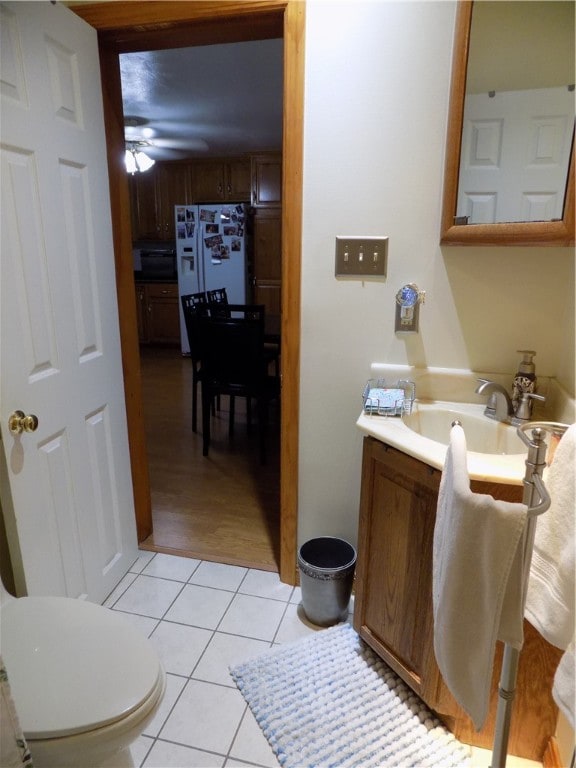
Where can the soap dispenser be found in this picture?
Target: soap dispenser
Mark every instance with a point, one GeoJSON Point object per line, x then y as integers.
{"type": "Point", "coordinates": [525, 378]}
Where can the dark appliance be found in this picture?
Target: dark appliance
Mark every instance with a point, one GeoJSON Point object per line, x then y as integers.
{"type": "Point", "coordinates": [158, 264]}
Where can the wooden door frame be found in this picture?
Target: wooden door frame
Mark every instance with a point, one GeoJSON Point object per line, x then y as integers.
{"type": "Point", "coordinates": [129, 26]}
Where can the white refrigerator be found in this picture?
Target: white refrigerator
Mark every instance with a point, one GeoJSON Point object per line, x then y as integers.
{"type": "Point", "coordinates": [211, 252]}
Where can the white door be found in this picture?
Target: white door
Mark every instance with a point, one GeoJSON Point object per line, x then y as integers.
{"type": "Point", "coordinates": [69, 507]}
{"type": "Point", "coordinates": [515, 154]}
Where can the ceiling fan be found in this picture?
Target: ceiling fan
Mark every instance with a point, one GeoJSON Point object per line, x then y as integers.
{"type": "Point", "coordinates": [142, 137]}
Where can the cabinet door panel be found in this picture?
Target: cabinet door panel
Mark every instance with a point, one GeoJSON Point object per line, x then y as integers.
{"type": "Point", "coordinates": [397, 605]}
{"type": "Point", "coordinates": [144, 206]}
{"type": "Point", "coordinates": [208, 182]}
{"type": "Point", "coordinates": [238, 178]}
{"type": "Point", "coordinates": [173, 189]}
{"type": "Point", "coordinates": [267, 260]}
{"type": "Point", "coordinates": [267, 180]}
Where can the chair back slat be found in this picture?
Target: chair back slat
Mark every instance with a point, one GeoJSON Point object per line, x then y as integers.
{"type": "Point", "coordinates": [232, 351]}
{"type": "Point", "coordinates": [194, 306]}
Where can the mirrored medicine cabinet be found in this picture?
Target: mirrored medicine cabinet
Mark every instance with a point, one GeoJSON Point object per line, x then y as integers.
{"type": "Point", "coordinates": [509, 173]}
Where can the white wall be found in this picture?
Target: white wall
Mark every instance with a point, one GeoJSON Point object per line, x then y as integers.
{"type": "Point", "coordinates": [376, 104]}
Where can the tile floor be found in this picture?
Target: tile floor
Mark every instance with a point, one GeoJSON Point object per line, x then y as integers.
{"type": "Point", "coordinates": [203, 617]}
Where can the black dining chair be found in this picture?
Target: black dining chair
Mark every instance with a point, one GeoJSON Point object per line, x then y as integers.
{"type": "Point", "coordinates": [218, 298]}
{"type": "Point", "coordinates": [194, 306]}
{"type": "Point", "coordinates": [234, 364]}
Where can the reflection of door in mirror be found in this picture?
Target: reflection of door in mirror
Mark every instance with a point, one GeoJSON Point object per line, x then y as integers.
{"type": "Point", "coordinates": [515, 155]}
{"type": "Point", "coordinates": [505, 53]}
{"type": "Point", "coordinates": [518, 112]}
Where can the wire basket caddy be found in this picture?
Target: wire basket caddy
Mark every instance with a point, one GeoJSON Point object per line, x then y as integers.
{"type": "Point", "coordinates": [382, 399]}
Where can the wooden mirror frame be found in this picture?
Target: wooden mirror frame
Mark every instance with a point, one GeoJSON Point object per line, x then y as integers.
{"type": "Point", "coordinates": [555, 233]}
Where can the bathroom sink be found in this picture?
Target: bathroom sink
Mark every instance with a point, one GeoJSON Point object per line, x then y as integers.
{"type": "Point", "coordinates": [495, 452]}
{"type": "Point", "coordinates": [483, 435]}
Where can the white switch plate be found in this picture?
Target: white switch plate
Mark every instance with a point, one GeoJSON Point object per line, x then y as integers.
{"type": "Point", "coordinates": [361, 256]}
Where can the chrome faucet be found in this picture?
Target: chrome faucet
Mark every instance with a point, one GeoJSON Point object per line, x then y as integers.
{"type": "Point", "coordinates": [499, 405]}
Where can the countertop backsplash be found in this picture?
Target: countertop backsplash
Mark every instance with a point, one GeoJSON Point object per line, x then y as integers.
{"type": "Point", "coordinates": [458, 385]}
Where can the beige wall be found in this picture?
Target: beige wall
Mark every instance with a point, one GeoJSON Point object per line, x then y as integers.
{"type": "Point", "coordinates": [517, 45]}
{"type": "Point", "coordinates": [377, 82]}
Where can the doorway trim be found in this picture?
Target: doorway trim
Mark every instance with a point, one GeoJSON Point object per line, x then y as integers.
{"type": "Point", "coordinates": [128, 26]}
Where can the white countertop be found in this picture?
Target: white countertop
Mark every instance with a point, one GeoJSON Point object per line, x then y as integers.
{"type": "Point", "coordinates": [508, 469]}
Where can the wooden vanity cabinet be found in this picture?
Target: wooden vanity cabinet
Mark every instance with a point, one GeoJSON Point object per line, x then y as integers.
{"type": "Point", "coordinates": [393, 600]}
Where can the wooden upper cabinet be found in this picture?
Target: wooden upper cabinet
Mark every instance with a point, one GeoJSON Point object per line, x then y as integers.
{"type": "Point", "coordinates": [221, 180]}
{"type": "Point", "coordinates": [237, 180]}
{"type": "Point", "coordinates": [173, 187]}
{"type": "Point", "coordinates": [153, 195]}
{"type": "Point", "coordinates": [267, 180]}
{"type": "Point", "coordinates": [143, 205]}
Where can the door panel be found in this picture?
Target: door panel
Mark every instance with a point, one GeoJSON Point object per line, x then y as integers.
{"type": "Point", "coordinates": [515, 156]}
{"type": "Point", "coordinates": [73, 530]}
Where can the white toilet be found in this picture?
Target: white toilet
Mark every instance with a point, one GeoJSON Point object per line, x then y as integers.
{"type": "Point", "coordinates": [85, 683]}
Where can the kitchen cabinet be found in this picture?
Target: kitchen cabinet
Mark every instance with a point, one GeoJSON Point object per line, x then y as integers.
{"type": "Point", "coordinates": [158, 313]}
{"type": "Point", "coordinates": [267, 259]}
{"type": "Point", "coordinates": [267, 180]}
{"type": "Point", "coordinates": [173, 186]}
{"type": "Point", "coordinates": [393, 600]}
{"type": "Point", "coordinates": [221, 180]}
{"type": "Point", "coordinates": [142, 188]}
{"type": "Point", "coordinates": [153, 195]}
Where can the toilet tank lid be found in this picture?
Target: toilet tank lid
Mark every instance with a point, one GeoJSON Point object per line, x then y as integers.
{"type": "Point", "coordinates": [73, 666]}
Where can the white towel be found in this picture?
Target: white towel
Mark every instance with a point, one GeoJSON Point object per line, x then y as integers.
{"type": "Point", "coordinates": [476, 581]}
{"type": "Point", "coordinates": [551, 597]}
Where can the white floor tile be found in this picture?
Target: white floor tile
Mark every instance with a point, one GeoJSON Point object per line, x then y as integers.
{"type": "Point", "coordinates": [219, 575]}
{"type": "Point", "coordinates": [205, 716]}
{"type": "Point", "coordinates": [255, 617]}
{"type": "Point", "coordinates": [166, 755]}
{"type": "Point", "coordinates": [296, 596]}
{"type": "Point", "coordinates": [200, 606]}
{"type": "Point", "coordinates": [144, 624]}
{"type": "Point", "coordinates": [174, 686]}
{"type": "Point", "coordinates": [139, 749]}
{"type": "Point", "coordinates": [265, 584]}
{"type": "Point", "coordinates": [149, 596]}
{"type": "Point", "coordinates": [121, 587]}
{"type": "Point", "coordinates": [224, 651]}
{"type": "Point", "coordinates": [294, 625]}
{"type": "Point", "coordinates": [180, 646]}
{"type": "Point", "coordinates": [171, 567]}
{"type": "Point", "coordinates": [251, 745]}
{"type": "Point", "coordinates": [144, 558]}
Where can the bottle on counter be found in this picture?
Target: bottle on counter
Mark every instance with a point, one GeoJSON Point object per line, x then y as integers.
{"type": "Point", "coordinates": [525, 378]}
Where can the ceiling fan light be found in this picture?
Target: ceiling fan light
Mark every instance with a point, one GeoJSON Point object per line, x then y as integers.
{"type": "Point", "coordinates": [130, 161]}
{"type": "Point", "coordinates": [137, 161]}
{"type": "Point", "coordinates": [143, 162]}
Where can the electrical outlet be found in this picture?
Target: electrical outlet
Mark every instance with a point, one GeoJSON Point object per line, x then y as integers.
{"type": "Point", "coordinates": [361, 256]}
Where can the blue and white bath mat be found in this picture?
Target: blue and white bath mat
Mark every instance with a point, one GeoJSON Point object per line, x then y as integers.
{"type": "Point", "coordinates": [329, 701]}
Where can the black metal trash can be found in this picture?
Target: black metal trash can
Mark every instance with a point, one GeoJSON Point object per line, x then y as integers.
{"type": "Point", "coordinates": [326, 567]}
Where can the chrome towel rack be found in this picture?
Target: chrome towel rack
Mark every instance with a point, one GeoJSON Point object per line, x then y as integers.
{"type": "Point", "coordinates": [537, 500]}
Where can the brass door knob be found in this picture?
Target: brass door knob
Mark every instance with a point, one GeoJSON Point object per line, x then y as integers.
{"type": "Point", "coordinates": [20, 422]}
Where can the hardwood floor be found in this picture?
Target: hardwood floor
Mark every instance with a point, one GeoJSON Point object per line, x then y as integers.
{"type": "Point", "coordinates": [224, 507]}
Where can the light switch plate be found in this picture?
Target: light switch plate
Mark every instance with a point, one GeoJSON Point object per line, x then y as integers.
{"type": "Point", "coordinates": [361, 256]}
